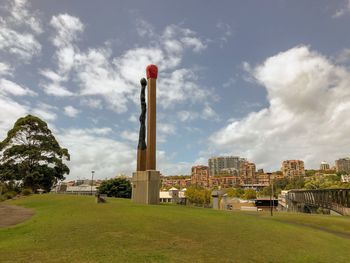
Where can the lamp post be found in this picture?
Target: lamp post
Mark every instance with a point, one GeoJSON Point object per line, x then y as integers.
{"type": "Point", "coordinates": [92, 179]}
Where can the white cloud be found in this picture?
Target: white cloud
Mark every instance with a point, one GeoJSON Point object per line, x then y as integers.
{"type": "Point", "coordinates": [5, 69]}
{"type": "Point", "coordinates": [67, 30]}
{"type": "Point", "coordinates": [144, 28]}
{"type": "Point", "coordinates": [10, 111]}
{"type": "Point", "coordinates": [107, 157]}
{"type": "Point", "coordinates": [67, 27]}
{"type": "Point", "coordinates": [226, 32]}
{"type": "Point", "coordinates": [343, 11]}
{"type": "Point", "coordinates": [71, 111]}
{"type": "Point", "coordinates": [180, 86]}
{"type": "Point", "coordinates": [24, 45]}
{"type": "Point", "coordinates": [15, 38]}
{"type": "Point", "coordinates": [343, 56]}
{"type": "Point", "coordinates": [130, 136]}
{"type": "Point", "coordinates": [92, 103]}
{"type": "Point", "coordinates": [187, 115]}
{"type": "Point", "coordinates": [133, 118]}
{"type": "Point", "coordinates": [209, 113]}
{"type": "Point", "coordinates": [116, 79]}
{"type": "Point", "coordinates": [10, 87]}
{"type": "Point", "coordinates": [56, 90]}
{"type": "Point", "coordinates": [45, 112]}
{"type": "Point", "coordinates": [168, 166]}
{"type": "Point", "coordinates": [307, 117]}
{"type": "Point", "coordinates": [21, 15]}
{"type": "Point", "coordinates": [53, 86]}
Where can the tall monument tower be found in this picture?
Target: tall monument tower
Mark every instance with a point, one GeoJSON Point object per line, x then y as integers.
{"type": "Point", "coordinates": [146, 179]}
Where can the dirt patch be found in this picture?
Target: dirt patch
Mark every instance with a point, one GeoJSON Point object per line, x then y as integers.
{"type": "Point", "coordinates": [11, 215]}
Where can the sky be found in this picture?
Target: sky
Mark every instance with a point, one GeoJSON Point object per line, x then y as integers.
{"type": "Point", "coordinates": [264, 80]}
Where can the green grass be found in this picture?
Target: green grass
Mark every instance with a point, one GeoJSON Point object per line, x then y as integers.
{"type": "Point", "coordinates": [76, 229]}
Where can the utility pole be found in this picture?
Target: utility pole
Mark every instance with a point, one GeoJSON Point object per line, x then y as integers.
{"type": "Point", "coordinates": [92, 179]}
{"type": "Point", "coordinates": [271, 193]}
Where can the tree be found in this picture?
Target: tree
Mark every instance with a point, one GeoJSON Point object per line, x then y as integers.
{"type": "Point", "coordinates": [32, 154]}
{"type": "Point", "coordinates": [235, 192]}
{"type": "Point", "coordinates": [117, 187]}
{"type": "Point", "coordinates": [249, 194]}
{"type": "Point", "coordinates": [198, 196]}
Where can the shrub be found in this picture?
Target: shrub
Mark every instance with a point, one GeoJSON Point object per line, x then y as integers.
{"type": "Point", "coordinates": [118, 187]}
{"type": "Point", "coordinates": [26, 192]}
{"type": "Point", "coordinates": [9, 195]}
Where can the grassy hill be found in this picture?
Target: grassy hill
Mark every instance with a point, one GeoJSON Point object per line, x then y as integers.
{"type": "Point", "coordinates": [76, 229]}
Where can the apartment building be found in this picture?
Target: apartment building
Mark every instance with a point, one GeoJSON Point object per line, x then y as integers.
{"type": "Point", "coordinates": [293, 168]}
{"type": "Point", "coordinates": [200, 176]}
{"type": "Point", "coordinates": [342, 165]}
{"type": "Point", "coordinates": [216, 164]}
{"type": "Point", "coordinates": [324, 166]}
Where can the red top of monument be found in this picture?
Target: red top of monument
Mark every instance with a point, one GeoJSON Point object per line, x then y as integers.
{"type": "Point", "coordinates": [152, 71]}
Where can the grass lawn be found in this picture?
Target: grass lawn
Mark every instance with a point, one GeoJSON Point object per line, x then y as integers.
{"type": "Point", "coordinates": [76, 229]}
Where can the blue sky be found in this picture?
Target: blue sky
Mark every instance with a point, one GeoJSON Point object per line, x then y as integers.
{"type": "Point", "coordinates": [265, 80]}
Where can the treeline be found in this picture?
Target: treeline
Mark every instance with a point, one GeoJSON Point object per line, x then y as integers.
{"type": "Point", "coordinates": [325, 181]}
{"type": "Point", "coordinates": [247, 194]}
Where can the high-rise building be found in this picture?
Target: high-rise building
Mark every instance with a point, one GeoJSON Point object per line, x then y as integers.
{"type": "Point", "coordinates": [292, 168]}
{"type": "Point", "coordinates": [343, 165]}
{"type": "Point", "coordinates": [247, 172]}
{"type": "Point", "coordinates": [200, 176]}
{"type": "Point", "coordinates": [324, 166]}
{"type": "Point", "coordinates": [247, 169]}
{"type": "Point", "coordinates": [216, 164]}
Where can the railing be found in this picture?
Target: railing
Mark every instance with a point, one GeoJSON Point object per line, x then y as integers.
{"type": "Point", "coordinates": [337, 200]}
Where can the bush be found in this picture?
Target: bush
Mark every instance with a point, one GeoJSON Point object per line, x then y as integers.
{"type": "Point", "coordinates": [197, 196]}
{"type": "Point", "coordinates": [9, 195]}
{"type": "Point", "coordinates": [26, 192]}
{"type": "Point", "coordinates": [118, 187]}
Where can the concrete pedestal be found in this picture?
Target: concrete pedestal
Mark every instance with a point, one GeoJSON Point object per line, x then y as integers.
{"type": "Point", "coordinates": [145, 187]}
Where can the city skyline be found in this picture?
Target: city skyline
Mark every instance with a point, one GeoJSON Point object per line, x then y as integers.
{"type": "Point", "coordinates": [269, 89]}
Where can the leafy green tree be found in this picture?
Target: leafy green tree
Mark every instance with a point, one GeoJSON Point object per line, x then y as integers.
{"type": "Point", "coordinates": [235, 192]}
{"type": "Point", "coordinates": [198, 196]}
{"type": "Point", "coordinates": [31, 153]}
{"type": "Point", "coordinates": [117, 187]}
{"type": "Point", "coordinates": [249, 194]}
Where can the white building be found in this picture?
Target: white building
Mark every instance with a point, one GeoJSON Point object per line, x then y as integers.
{"type": "Point", "coordinates": [173, 195]}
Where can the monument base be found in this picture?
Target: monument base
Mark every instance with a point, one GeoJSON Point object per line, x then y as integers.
{"type": "Point", "coordinates": [145, 187]}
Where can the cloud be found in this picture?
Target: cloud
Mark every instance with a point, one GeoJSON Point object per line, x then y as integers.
{"type": "Point", "coordinates": [130, 136]}
{"type": "Point", "coordinates": [53, 86]}
{"type": "Point", "coordinates": [20, 15]}
{"type": "Point", "coordinates": [180, 86]}
{"type": "Point", "coordinates": [67, 30]}
{"type": "Point", "coordinates": [70, 111]}
{"type": "Point", "coordinates": [92, 150]}
{"type": "Point", "coordinates": [144, 28]}
{"type": "Point", "coordinates": [168, 166]}
{"type": "Point", "coordinates": [45, 112]}
{"type": "Point", "coordinates": [116, 79]}
{"type": "Point", "coordinates": [307, 116]}
{"type": "Point", "coordinates": [226, 31]}
{"type": "Point", "coordinates": [207, 113]}
{"type": "Point", "coordinates": [67, 27]}
{"type": "Point", "coordinates": [343, 56]}
{"type": "Point", "coordinates": [91, 103]}
{"type": "Point", "coordinates": [5, 69]}
{"type": "Point", "coordinates": [343, 11]}
{"type": "Point", "coordinates": [18, 32]}
{"type": "Point", "coordinates": [10, 111]}
{"type": "Point", "coordinates": [10, 87]}
{"type": "Point", "coordinates": [133, 118]}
